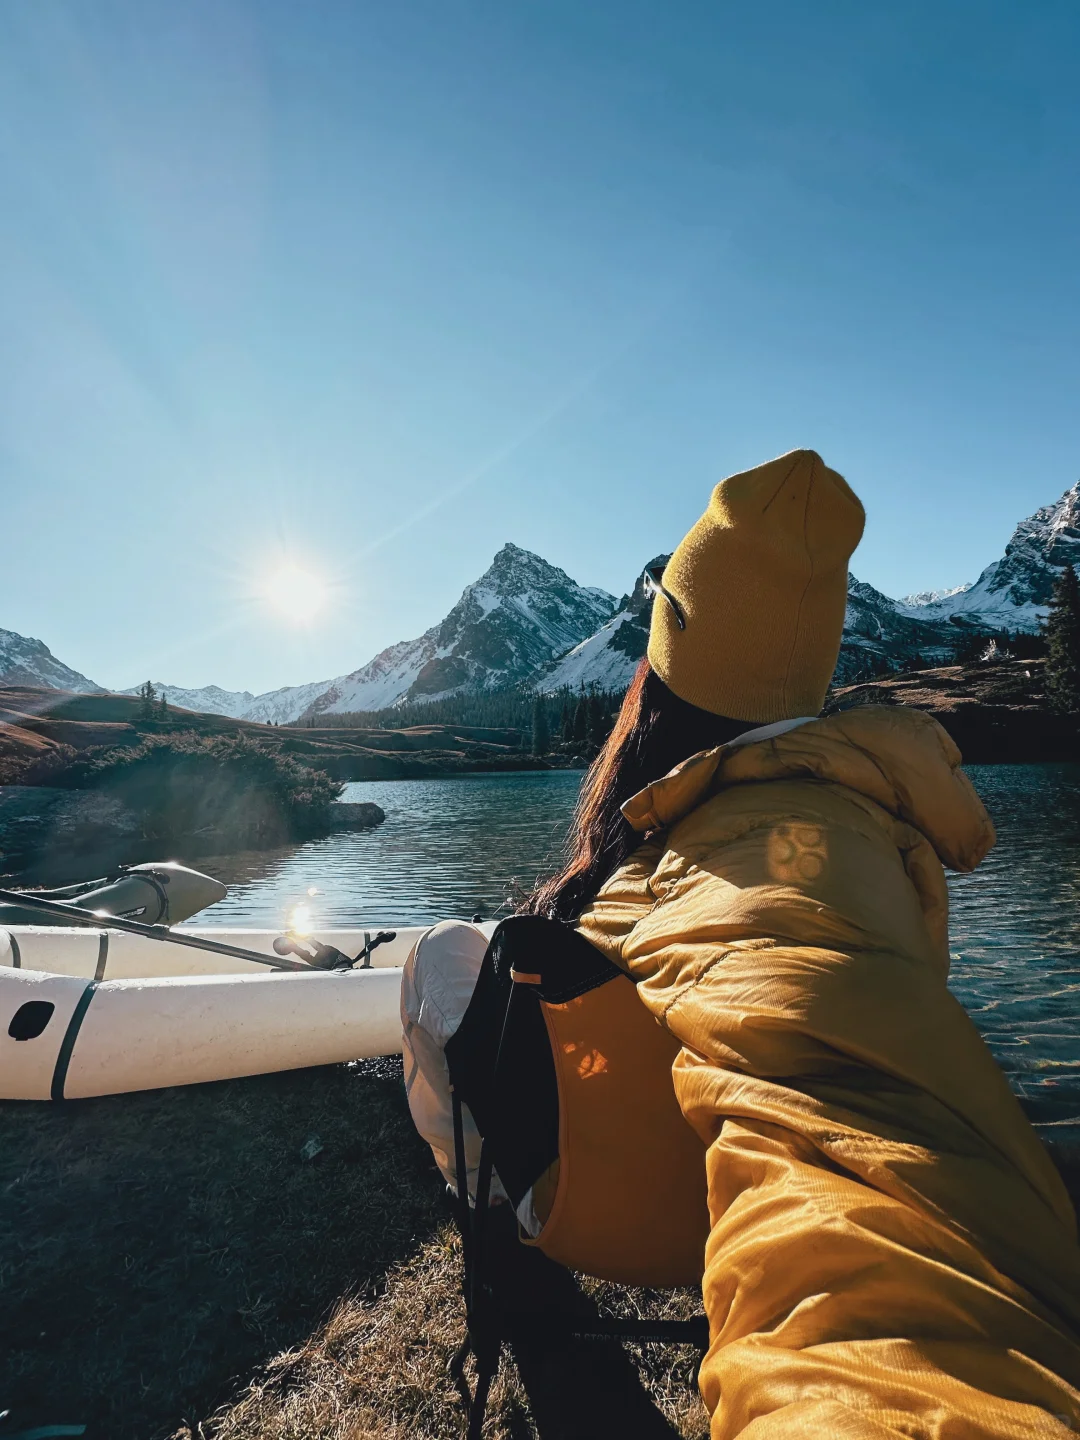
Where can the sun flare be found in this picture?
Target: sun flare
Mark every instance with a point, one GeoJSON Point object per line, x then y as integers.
{"type": "Point", "coordinates": [300, 920]}
{"type": "Point", "coordinates": [294, 593]}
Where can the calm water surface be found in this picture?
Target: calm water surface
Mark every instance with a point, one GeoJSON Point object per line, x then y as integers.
{"type": "Point", "coordinates": [448, 848]}
{"type": "Point", "coordinates": [1016, 938]}
{"type": "Point", "coordinates": [462, 846]}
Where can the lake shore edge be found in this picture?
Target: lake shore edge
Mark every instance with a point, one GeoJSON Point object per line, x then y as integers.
{"type": "Point", "coordinates": [995, 712]}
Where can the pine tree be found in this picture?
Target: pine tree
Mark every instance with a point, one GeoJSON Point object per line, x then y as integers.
{"type": "Point", "coordinates": [1063, 645]}
{"type": "Point", "coordinates": [163, 707]}
{"type": "Point", "coordinates": [147, 696]}
{"type": "Point", "coordinates": [566, 729]}
{"type": "Point", "coordinates": [597, 727]}
{"type": "Point", "coordinates": [581, 723]}
{"type": "Point", "coordinates": [541, 736]}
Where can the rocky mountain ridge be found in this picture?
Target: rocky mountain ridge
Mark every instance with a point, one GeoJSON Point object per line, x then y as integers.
{"type": "Point", "coordinates": [507, 628]}
{"type": "Point", "coordinates": [207, 700]}
{"type": "Point", "coordinates": [526, 622]}
{"type": "Point", "coordinates": [25, 661]}
{"type": "Point", "coordinates": [879, 631]}
{"type": "Point", "coordinates": [1014, 592]}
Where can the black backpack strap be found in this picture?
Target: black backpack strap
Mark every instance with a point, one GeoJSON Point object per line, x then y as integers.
{"type": "Point", "coordinates": [502, 1068]}
{"type": "Point", "coordinates": [500, 1059]}
{"type": "Point", "coordinates": [485, 1331]}
{"type": "Point", "coordinates": [485, 1328]}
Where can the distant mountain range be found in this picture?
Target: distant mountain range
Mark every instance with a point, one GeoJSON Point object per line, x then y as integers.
{"type": "Point", "coordinates": [507, 628]}
{"type": "Point", "coordinates": [526, 622]}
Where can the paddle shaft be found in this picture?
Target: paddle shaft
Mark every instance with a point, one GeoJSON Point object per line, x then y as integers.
{"type": "Point", "coordinates": [64, 911]}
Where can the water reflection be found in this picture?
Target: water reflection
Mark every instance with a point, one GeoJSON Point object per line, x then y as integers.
{"type": "Point", "coordinates": [1016, 936]}
{"type": "Point", "coordinates": [447, 848]}
{"type": "Point", "coordinates": [461, 846]}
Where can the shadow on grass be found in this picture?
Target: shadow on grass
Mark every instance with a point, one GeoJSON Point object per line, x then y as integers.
{"type": "Point", "coordinates": [182, 1263]}
{"type": "Point", "coordinates": [157, 1248]}
{"type": "Point", "coordinates": [172, 1265]}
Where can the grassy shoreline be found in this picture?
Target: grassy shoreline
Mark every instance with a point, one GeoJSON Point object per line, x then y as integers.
{"type": "Point", "coordinates": [175, 1269]}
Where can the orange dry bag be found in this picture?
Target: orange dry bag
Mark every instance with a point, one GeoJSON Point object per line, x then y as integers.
{"type": "Point", "coordinates": [568, 1078]}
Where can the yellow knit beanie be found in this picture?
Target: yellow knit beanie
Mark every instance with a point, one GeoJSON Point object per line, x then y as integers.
{"type": "Point", "coordinates": [760, 583]}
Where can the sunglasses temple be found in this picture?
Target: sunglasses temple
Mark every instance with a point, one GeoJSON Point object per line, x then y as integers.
{"type": "Point", "coordinates": [655, 586]}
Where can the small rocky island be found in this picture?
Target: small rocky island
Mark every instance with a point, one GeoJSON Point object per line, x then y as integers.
{"type": "Point", "coordinates": [89, 781]}
{"type": "Point", "coordinates": [57, 834]}
{"type": "Point", "coordinates": [84, 792]}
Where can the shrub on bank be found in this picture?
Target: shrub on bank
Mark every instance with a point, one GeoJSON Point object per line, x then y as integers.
{"type": "Point", "coordinates": [35, 767]}
{"type": "Point", "coordinates": [225, 785]}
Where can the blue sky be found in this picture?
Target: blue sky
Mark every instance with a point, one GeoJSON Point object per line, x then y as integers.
{"type": "Point", "coordinates": [373, 288]}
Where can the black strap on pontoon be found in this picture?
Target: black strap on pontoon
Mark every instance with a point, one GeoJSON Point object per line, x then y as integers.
{"type": "Point", "coordinates": [67, 1045]}
{"type": "Point", "coordinates": [501, 1066]}
{"type": "Point", "coordinates": [102, 955]}
{"type": "Point", "coordinates": [149, 878]}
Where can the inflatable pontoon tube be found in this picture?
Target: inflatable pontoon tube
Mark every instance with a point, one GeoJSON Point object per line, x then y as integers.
{"type": "Point", "coordinates": [66, 1037]}
{"type": "Point", "coordinates": [114, 955]}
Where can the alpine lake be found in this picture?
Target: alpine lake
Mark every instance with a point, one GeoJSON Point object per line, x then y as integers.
{"type": "Point", "coordinates": [466, 846]}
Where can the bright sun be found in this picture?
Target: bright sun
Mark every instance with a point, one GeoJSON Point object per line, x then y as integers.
{"type": "Point", "coordinates": [294, 593]}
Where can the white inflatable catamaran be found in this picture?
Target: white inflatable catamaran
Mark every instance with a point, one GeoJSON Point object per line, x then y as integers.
{"type": "Point", "coordinates": [106, 1007]}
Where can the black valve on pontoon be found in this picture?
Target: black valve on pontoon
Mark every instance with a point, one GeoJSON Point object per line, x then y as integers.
{"type": "Point", "coordinates": [329, 957]}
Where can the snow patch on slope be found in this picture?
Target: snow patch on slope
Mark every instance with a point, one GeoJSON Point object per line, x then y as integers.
{"type": "Point", "coordinates": [207, 699]}
{"type": "Point", "coordinates": [607, 659]}
{"type": "Point", "coordinates": [1014, 592]}
{"type": "Point", "coordinates": [506, 629]}
{"type": "Point", "coordinates": [284, 706]}
{"type": "Point", "coordinates": [24, 661]}
{"type": "Point", "coordinates": [596, 662]}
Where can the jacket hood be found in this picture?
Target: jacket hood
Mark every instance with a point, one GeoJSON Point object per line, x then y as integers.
{"type": "Point", "coordinates": [900, 758]}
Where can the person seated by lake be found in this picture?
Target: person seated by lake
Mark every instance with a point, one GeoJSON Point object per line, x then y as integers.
{"type": "Point", "coordinates": [892, 1253]}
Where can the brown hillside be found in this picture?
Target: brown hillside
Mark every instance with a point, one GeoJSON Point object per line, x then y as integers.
{"type": "Point", "coordinates": [995, 712]}
{"type": "Point", "coordinates": [31, 716]}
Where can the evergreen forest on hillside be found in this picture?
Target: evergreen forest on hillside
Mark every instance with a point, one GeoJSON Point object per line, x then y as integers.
{"type": "Point", "coordinates": [576, 722]}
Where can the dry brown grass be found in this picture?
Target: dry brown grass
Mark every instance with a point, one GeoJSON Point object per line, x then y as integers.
{"type": "Point", "coordinates": [379, 1370]}
{"type": "Point", "coordinates": [171, 1265]}
{"type": "Point", "coordinates": [157, 1249]}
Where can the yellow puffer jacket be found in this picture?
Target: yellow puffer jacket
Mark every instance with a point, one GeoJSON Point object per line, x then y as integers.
{"type": "Point", "coordinates": [892, 1252]}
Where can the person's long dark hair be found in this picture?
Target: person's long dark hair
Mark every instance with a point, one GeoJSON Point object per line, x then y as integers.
{"type": "Point", "coordinates": [653, 732]}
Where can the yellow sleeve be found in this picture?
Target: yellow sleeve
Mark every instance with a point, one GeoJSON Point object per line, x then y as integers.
{"type": "Point", "coordinates": [892, 1253]}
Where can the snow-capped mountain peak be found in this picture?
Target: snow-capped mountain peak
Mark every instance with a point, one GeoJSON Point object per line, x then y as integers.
{"type": "Point", "coordinates": [24, 661]}
{"type": "Point", "coordinates": [930, 597]}
{"type": "Point", "coordinates": [1014, 592]}
{"type": "Point", "coordinates": [209, 699]}
{"type": "Point", "coordinates": [506, 629]}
